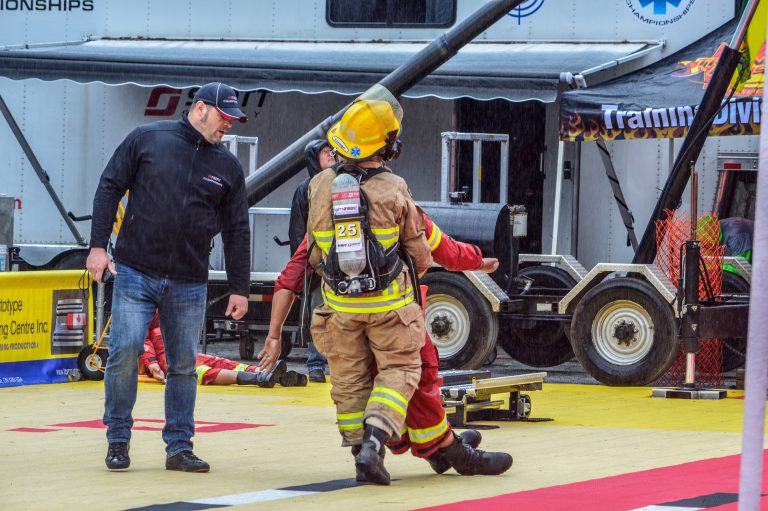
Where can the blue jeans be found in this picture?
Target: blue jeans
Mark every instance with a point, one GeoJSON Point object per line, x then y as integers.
{"type": "Point", "coordinates": [315, 360]}
{"type": "Point", "coordinates": [135, 296]}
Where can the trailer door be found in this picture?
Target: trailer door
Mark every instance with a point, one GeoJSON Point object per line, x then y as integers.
{"type": "Point", "coordinates": [524, 123]}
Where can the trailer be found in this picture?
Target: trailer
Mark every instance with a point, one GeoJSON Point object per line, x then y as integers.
{"type": "Point", "coordinates": [510, 81]}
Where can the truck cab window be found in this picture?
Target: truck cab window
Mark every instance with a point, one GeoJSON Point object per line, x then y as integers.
{"type": "Point", "coordinates": [391, 13]}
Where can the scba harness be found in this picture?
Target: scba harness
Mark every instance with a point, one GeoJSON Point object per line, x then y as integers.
{"type": "Point", "coordinates": [353, 234]}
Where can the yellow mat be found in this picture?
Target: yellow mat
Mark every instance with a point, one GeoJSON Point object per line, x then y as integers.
{"type": "Point", "coordinates": [282, 443]}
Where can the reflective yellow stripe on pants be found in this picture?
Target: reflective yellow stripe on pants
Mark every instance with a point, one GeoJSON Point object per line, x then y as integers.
{"type": "Point", "coordinates": [201, 370]}
{"type": "Point", "coordinates": [426, 435]}
{"type": "Point", "coordinates": [350, 421]}
{"type": "Point", "coordinates": [390, 398]}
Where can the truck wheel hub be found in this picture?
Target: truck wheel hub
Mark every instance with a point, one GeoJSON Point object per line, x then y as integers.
{"type": "Point", "coordinates": [441, 325]}
{"type": "Point", "coordinates": [624, 332]}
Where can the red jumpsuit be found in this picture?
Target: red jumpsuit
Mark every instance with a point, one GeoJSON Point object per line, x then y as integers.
{"type": "Point", "coordinates": [206, 366]}
{"type": "Point", "coordinates": [425, 422]}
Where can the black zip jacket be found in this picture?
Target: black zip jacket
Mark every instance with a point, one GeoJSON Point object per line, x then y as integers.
{"type": "Point", "coordinates": [183, 191]}
{"type": "Point", "coordinates": [297, 225]}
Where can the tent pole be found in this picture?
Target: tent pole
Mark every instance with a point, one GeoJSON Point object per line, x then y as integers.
{"type": "Point", "coordinates": [575, 195]}
{"type": "Point", "coordinates": [558, 195]}
{"type": "Point", "coordinates": [756, 377]}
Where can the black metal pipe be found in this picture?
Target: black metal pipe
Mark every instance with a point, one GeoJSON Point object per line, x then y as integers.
{"type": "Point", "coordinates": [689, 152]}
{"type": "Point", "coordinates": [290, 160]}
{"type": "Point", "coordinates": [689, 335]}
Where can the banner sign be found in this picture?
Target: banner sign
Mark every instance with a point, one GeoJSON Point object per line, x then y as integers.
{"type": "Point", "coordinates": [661, 100]}
{"type": "Point", "coordinates": [45, 320]}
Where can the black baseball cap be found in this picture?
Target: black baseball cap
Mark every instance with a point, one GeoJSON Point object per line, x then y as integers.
{"type": "Point", "coordinates": [223, 98]}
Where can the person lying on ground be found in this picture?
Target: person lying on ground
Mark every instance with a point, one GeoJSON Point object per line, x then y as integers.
{"type": "Point", "coordinates": [213, 370]}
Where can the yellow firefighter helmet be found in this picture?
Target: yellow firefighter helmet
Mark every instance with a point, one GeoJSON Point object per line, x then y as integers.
{"type": "Point", "coordinates": [369, 125]}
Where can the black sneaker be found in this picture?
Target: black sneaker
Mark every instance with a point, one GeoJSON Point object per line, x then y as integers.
{"type": "Point", "coordinates": [437, 459]}
{"type": "Point", "coordinates": [186, 461]}
{"type": "Point", "coordinates": [293, 379]}
{"type": "Point", "coordinates": [369, 465]}
{"type": "Point", "coordinates": [317, 376]}
{"type": "Point", "coordinates": [117, 456]}
{"type": "Point", "coordinates": [468, 461]}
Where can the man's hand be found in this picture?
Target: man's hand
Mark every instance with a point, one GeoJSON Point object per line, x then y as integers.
{"type": "Point", "coordinates": [237, 306]}
{"type": "Point", "coordinates": [489, 265]}
{"type": "Point", "coordinates": [97, 261]}
{"type": "Point", "coordinates": [269, 355]}
{"type": "Point", "coordinates": [155, 372]}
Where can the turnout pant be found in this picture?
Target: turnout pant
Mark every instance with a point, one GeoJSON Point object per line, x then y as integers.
{"type": "Point", "coordinates": [425, 423]}
{"type": "Point", "coordinates": [352, 343]}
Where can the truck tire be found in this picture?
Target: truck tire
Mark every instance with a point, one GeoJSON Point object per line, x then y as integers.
{"type": "Point", "coordinates": [459, 320]}
{"type": "Point", "coordinates": [247, 346]}
{"type": "Point", "coordinates": [734, 350]}
{"type": "Point", "coordinates": [70, 260]}
{"type": "Point", "coordinates": [540, 343]}
{"type": "Point", "coordinates": [624, 333]}
{"type": "Point", "coordinates": [88, 357]}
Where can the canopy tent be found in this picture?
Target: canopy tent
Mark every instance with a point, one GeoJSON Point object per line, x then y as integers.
{"type": "Point", "coordinates": [659, 101]}
{"type": "Point", "coordinates": [482, 70]}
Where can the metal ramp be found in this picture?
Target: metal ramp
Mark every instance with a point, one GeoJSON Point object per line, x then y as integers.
{"type": "Point", "coordinates": [469, 396]}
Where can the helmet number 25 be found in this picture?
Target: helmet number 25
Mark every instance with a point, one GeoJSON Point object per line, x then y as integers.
{"type": "Point", "coordinates": [348, 236]}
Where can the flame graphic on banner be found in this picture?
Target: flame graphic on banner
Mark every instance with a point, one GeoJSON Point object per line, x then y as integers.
{"type": "Point", "coordinates": [700, 71]}
{"type": "Point", "coordinates": [739, 117]}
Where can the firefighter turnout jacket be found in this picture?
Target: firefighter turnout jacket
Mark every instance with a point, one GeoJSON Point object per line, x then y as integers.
{"type": "Point", "coordinates": [382, 327]}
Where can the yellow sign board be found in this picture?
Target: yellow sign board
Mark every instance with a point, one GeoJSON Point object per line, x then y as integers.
{"type": "Point", "coordinates": [45, 320]}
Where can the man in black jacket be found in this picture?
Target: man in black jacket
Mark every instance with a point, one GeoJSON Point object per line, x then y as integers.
{"type": "Point", "coordinates": [318, 155]}
{"type": "Point", "coordinates": [184, 186]}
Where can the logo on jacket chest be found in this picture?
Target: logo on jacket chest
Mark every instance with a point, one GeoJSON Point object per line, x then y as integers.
{"type": "Point", "coordinates": [213, 179]}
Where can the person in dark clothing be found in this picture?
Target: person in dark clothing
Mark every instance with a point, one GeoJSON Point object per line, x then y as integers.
{"type": "Point", "coordinates": [318, 155]}
{"type": "Point", "coordinates": [184, 186]}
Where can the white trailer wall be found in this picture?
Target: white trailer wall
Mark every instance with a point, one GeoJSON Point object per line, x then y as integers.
{"type": "Point", "coordinates": [73, 130]}
{"type": "Point", "coordinates": [642, 167]}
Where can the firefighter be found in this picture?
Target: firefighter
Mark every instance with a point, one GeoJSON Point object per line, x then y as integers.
{"type": "Point", "coordinates": [427, 433]}
{"type": "Point", "coordinates": [366, 240]}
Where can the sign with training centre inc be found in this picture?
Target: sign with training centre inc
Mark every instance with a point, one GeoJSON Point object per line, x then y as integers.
{"type": "Point", "coordinates": [660, 101]}
{"type": "Point", "coordinates": [44, 323]}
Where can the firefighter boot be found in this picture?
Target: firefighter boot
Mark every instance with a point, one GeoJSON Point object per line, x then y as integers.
{"type": "Point", "coordinates": [370, 459]}
{"type": "Point", "coordinates": [263, 378]}
{"type": "Point", "coordinates": [359, 474]}
{"type": "Point", "coordinates": [469, 461]}
{"type": "Point", "coordinates": [293, 379]}
{"type": "Point", "coordinates": [437, 459]}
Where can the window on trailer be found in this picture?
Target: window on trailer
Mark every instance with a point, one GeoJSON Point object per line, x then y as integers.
{"type": "Point", "coordinates": [391, 13]}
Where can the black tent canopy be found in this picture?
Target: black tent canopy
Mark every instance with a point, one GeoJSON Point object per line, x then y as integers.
{"type": "Point", "coordinates": [659, 101]}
